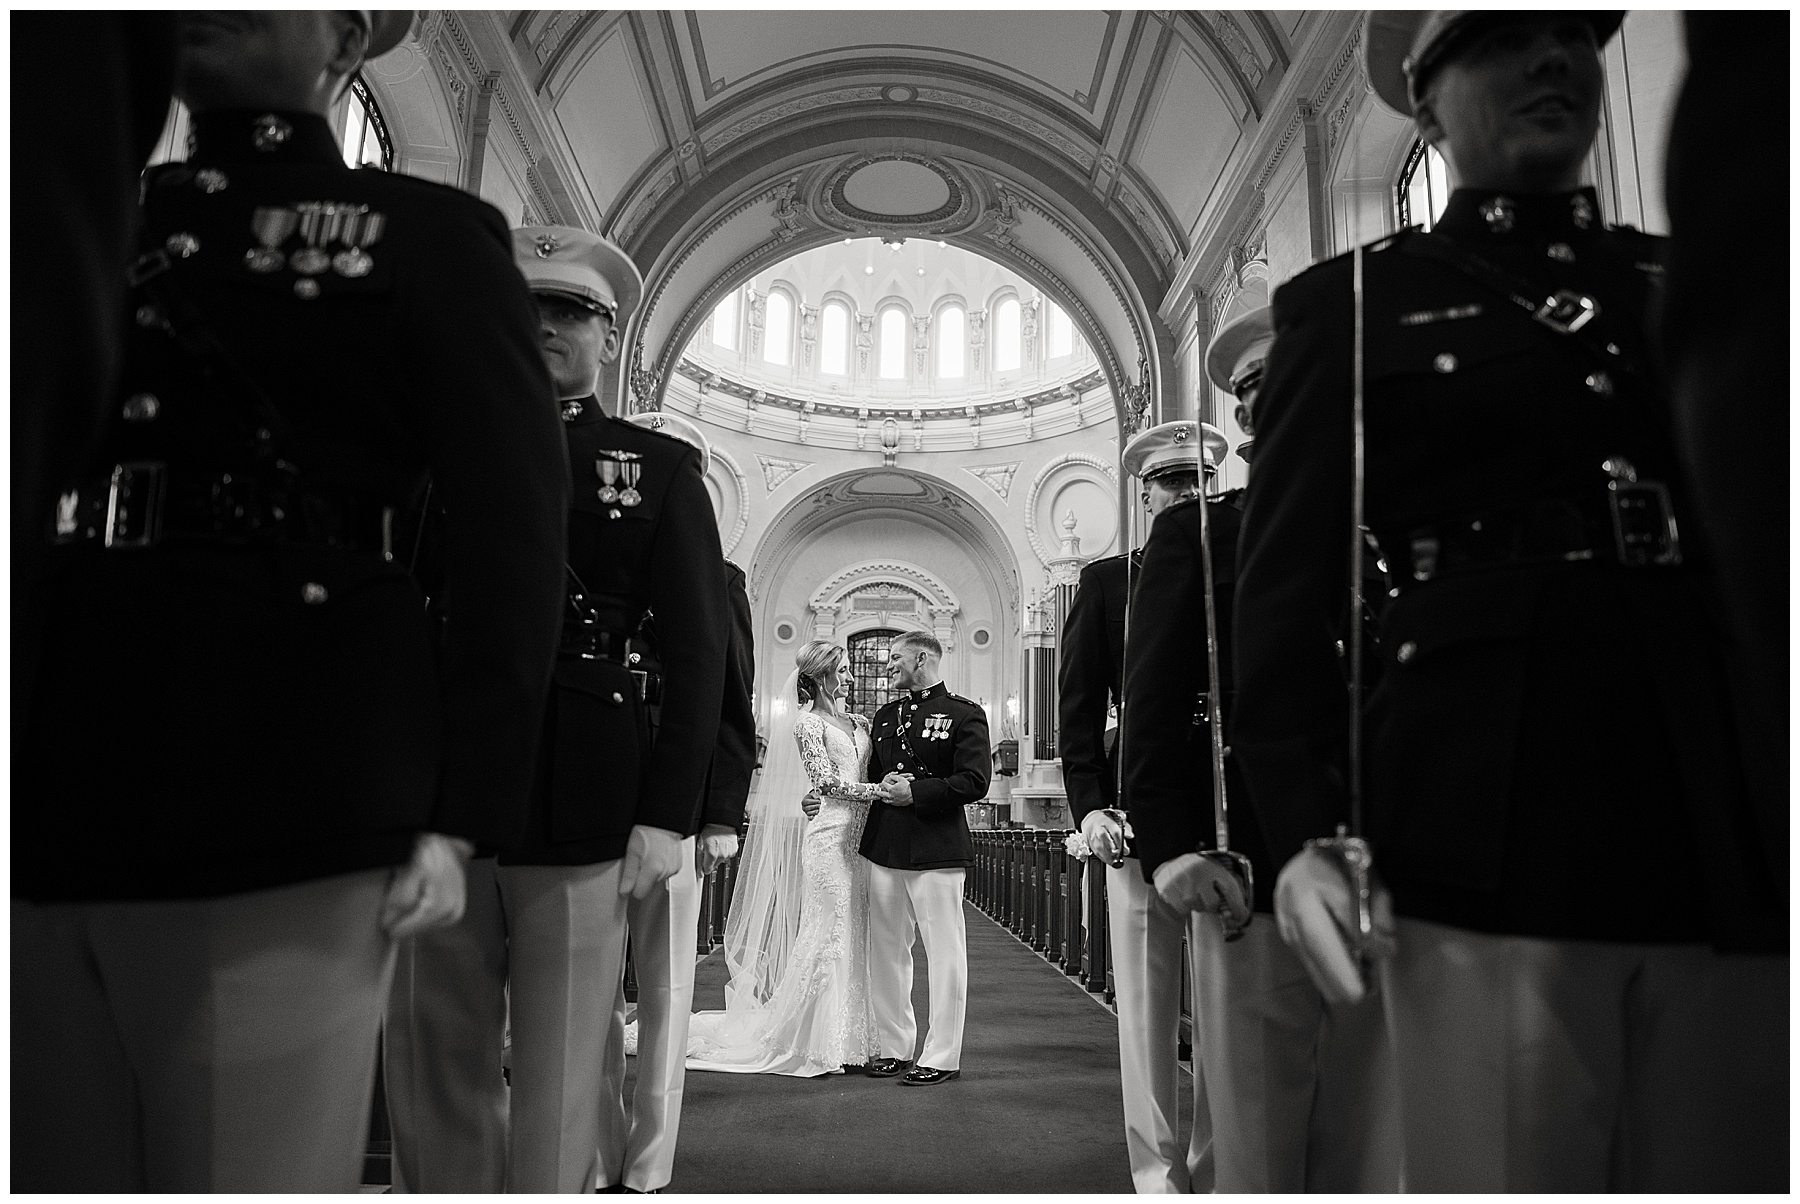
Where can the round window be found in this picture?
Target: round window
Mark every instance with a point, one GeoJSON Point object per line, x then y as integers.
{"type": "Point", "coordinates": [784, 632]}
{"type": "Point", "coordinates": [981, 637]}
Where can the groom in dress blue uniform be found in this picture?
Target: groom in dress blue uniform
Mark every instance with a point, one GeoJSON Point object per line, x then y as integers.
{"type": "Point", "coordinates": [931, 753]}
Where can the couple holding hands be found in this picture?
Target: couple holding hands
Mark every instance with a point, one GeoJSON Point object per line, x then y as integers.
{"type": "Point", "coordinates": [857, 840]}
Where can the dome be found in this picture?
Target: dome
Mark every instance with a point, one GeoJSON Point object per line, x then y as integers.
{"type": "Point", "coordinates": [834, 341]}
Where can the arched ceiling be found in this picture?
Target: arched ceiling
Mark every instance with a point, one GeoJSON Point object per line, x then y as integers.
{"type": "Point", "coordinates": [1103, 156]}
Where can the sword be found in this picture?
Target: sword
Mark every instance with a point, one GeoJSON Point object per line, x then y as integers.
{"type": "Point", "coordinates": [1348, 848]}
{"type": "Point", "coordinates": [1234, 890]}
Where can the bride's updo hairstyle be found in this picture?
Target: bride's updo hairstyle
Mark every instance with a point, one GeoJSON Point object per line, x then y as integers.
{"type": "Point", "coordinates": [813, 660]}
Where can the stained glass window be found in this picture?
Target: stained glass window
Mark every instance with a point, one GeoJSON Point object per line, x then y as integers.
{"type": "Point", "coordinates": [869, 690]}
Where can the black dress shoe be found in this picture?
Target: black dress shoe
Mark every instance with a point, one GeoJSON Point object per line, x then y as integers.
{"type": "Point", "coordinates": [926, 1076]}
{"type": "Point", "coordinates": [886, 1068]}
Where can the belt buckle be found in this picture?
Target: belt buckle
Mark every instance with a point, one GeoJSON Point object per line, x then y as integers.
{"type": "Point", "coordinates": [1567, 311]}
{"type": "Point", "coordinates": [134, 503]}
{"type": "Point", "coordinates": [1643, 524]}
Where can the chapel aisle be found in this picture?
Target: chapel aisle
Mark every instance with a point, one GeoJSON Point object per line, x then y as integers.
{"type": "Point", "coordinates": [1036, 1110]}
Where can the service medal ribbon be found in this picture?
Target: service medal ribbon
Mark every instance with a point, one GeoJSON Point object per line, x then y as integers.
{"type": "Point", "coordinates": [272, 226]}
{"type": "Point", "coordinates": [608, 471]}
{"type": "Point", "coordinates": [362, 229]}
{"type": "Point", "coordinates": [310, 260]}
{"type": "Point", "coordinates": [629, 496]}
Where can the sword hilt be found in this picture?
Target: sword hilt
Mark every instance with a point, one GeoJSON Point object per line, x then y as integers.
{"type": "Point", "coordinates": [1356, 861]}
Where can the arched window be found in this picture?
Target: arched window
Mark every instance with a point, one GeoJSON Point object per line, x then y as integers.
{"type": "Point", "coordinates": [893, 343]}
{"type": "Point", "coordinates": [1062, 332]}
{"type": "Point", "coordinates": [950, 325]}
{"type": "Point", "coordinates": [1424, 187]}
{"type": "Point", "coordinates": [778, 328]}
{"type": "Point", "coordinates": [1006, 335]}
{"type": "Point", "coordinates": [366, 140]}
{"type": "Point", "coordinates": [834, 339]}
{"type": "Point", "coordinates": [869, 689]}
{"type": "Point", "coordinates": [725, 321]}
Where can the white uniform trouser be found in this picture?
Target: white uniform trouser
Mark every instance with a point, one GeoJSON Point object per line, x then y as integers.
{"type": "Point", "coordinates": [558, 936]}
{"type": "Point", "coordinates": [1303, 1092]}
{"type": "Point", "coordinates": [1145, 936]}
{"type": "Point", "coordinates": [198, 1045]}
{"type": "Point", "coordinates": [446, 1026]}
{"type": "Point", "coordinates": [930, 902]}
{"type": "Point", "coordinates": [1529, 1065]}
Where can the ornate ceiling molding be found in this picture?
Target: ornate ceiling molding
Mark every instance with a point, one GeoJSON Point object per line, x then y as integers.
{"type": "Point", "coordinates": [1044, 476]}
{"type": "Point", "coordinates": [845, 582]}
{"type": "Point", "coordinates": [998, 477]}
{"type": "Point", "coordinates": [955, 215]}
{"type": "Point", "coordinates": [729, 463]}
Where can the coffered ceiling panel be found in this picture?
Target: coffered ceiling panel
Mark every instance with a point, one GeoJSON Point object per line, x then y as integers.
{"type": "Point", "coordinates": [609, 118]}
{"type": "Point", "coordinates": [1188, 138]}
{"type": "Point", "coordinates": [1067, 57]}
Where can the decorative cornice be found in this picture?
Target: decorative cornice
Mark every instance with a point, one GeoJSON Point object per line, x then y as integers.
{"type": "Point", "coordinates": [878, 409]}
{"type": "Point", "coordinates": [858, 576]}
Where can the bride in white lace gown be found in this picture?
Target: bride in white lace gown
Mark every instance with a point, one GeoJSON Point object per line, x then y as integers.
{"type": "Point", "coordinates": [802, 1008]}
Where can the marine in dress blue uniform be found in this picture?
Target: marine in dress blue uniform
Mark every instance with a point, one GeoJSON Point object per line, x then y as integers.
{"type": "Point", "coordinates": [918, 853]}
{"type": "Point", "coordinates": [248, 764]}
{"type": "Point", "coordinates": [607, 846]}
{"type": "Point", "coordinates": [1144, 934]}
{"type": "Point", "coordinates": [1301, 1092]}
{"type": "Point", "coordinates": [1585, 993]}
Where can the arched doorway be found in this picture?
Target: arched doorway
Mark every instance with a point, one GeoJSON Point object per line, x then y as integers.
{"type": "Point", "coordinates": [869, 689]}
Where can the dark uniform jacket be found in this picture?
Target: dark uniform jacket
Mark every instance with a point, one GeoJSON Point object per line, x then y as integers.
{"type": "Point", "coordinates": [1168, 764]}
{"type": "Point", "coordinates": [1723, 335]}
{"type": "Point", "coordinates": [1089, 671]}
{"type": "Point", "coordinates": [942, 740]}
{"type": "Point", "coordinates": [614, 756]}
{"type": "Point", "coordinates": [220, 714]}
{"type": "Point", "coordinates": [1549, 725]}
{"type": "Point", "coordinates": [734, 760]}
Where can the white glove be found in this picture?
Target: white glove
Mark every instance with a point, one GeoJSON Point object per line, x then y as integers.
{"type": "Point", "coordinates": [1316, 913]}
{"type": "Point", "coordinates": [1191, 882]}
{"type": "Point", "coordinates": [429, 891]}
{"type": "Point", "coordinates": [1104, 835]}
{"type": "Point", "coordinates": [652, 856]}
{"type": "Point", "coordinates": [717, 845]}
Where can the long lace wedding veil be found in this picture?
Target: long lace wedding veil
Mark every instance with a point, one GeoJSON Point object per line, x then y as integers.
{"type": "Point", "coordinates": [765, 906]}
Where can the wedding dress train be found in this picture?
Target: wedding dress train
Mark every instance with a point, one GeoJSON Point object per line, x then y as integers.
{"type": "Point", "coordinates": [814, 1015]}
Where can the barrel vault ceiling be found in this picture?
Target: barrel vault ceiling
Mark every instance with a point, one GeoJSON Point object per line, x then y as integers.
{"type": "Point", "coordinates": [1110, 157]}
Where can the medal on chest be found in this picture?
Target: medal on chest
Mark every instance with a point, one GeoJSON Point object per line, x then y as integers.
{"type": "Point", "coordinates": [619, 472]}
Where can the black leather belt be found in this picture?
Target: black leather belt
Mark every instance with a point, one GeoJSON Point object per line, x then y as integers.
{"type": "Point", "coordinates": [140, 503]}
{"type": "Point", "coordinates": [588, 641]}
{"type": "Point", "coordinates": [1631, 524]}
